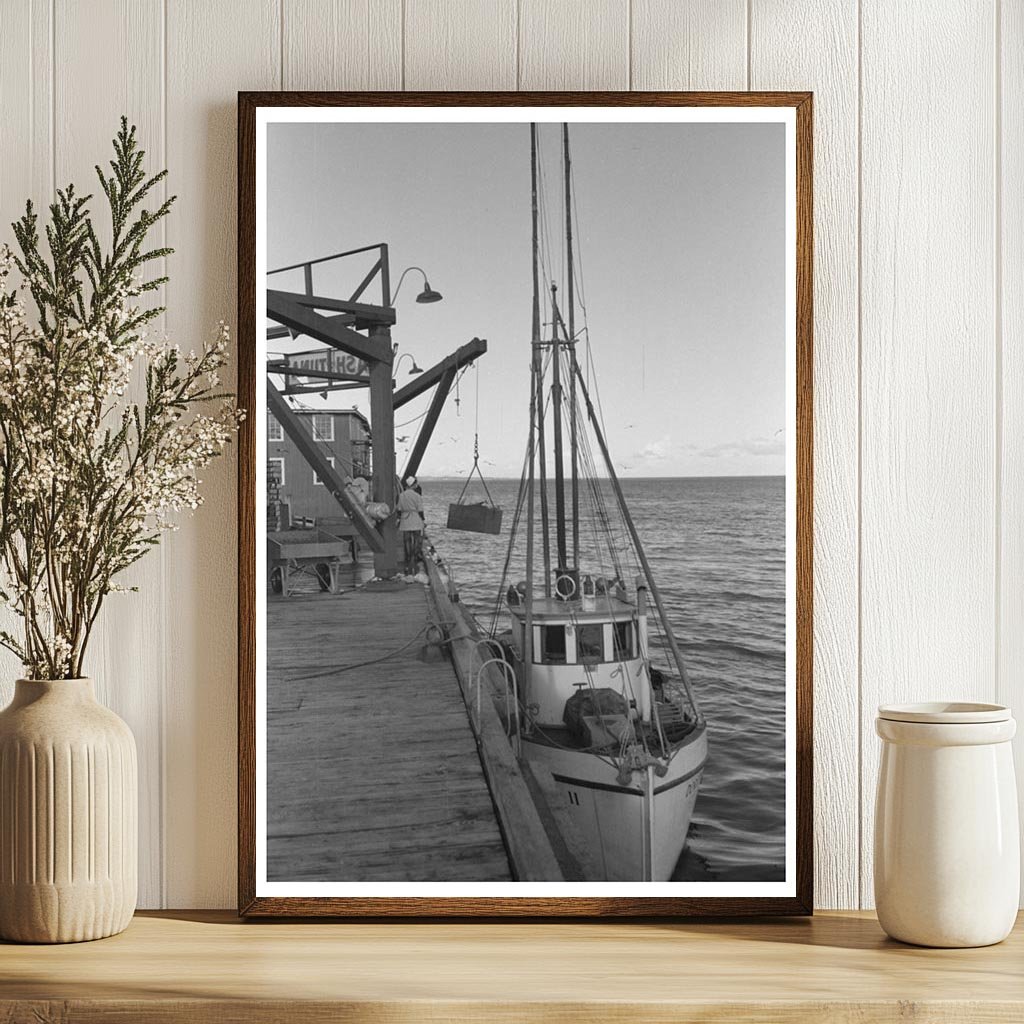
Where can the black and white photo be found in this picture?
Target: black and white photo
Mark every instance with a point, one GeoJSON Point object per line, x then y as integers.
{"type": "Point", "coordinates": [526, 464]}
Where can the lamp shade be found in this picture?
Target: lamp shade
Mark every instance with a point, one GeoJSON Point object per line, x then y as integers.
{"type": "Point", "coordinates": [428, 294]}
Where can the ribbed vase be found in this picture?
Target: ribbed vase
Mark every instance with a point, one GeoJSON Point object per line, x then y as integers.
{"type": "Point", "coordinates": [68, 815]}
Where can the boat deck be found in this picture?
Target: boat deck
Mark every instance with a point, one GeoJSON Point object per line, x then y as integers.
{"type": "Point", "coordinates": [373, 773]}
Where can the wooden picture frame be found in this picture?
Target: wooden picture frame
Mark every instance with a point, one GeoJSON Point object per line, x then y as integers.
{"type": "Point", "coordinates": [251, 902]}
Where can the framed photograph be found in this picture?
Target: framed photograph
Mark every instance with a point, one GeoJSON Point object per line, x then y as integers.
{"type": "Point", "coordinates": [525, 504]}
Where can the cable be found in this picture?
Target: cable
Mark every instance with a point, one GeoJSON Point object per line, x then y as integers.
{"type": "Point", "coordinates": [338, 669]}
{"type": "Point", "coordinates": [415, 419]}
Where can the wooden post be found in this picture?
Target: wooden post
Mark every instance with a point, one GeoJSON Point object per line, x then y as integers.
{"type": "Point", "coordinates": [382, 428]}
{"type": "Point", "coordinates": [419, 448]}
{"type": "Point", "coordinates": [337, 482]}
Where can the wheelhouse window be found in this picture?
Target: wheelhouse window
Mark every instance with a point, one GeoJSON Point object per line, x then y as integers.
{"type": "Point", "coordinates": [590, 643]}
{"type": "Point", "coordinates": [275, 432]}
{"type": "Point", "coordinates": [624, 644]}
{"type": "Point", "coordinates": [323, 427]}
{"type": "Point", "coordinates": [553, 645]}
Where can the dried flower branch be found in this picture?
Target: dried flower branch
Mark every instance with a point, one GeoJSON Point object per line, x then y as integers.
{"type": "Point", "coordinates": [90, 478]}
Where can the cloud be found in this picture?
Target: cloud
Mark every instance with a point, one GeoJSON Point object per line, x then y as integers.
{"type": "Point", "coordinates": [654, 451]}
{"type": "Point", "coordinates": [755, 446]}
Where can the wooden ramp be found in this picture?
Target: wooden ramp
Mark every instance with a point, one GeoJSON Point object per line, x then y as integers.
{"type": "Point", "coordinates": [372, 773]}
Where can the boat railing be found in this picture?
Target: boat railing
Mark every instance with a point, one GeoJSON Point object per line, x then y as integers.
{"type": "Point", "coordinates": [511, 697]}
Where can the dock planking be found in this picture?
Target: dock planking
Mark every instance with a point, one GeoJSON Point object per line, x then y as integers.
{"type": "Point", "coordinates": [373, 773]}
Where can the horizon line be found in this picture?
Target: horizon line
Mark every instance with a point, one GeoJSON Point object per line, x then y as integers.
{"type": "Point", "coordinates": [692, 476]}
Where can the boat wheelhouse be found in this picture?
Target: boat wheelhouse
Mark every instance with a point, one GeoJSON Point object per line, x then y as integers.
{"type": "Point", "coordinates": [617, 741]}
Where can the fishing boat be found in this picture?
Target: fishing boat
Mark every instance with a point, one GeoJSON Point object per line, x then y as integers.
{"type": "Point", "coordinates": [604, 708]}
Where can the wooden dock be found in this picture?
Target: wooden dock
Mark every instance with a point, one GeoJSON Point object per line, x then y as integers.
{"type": "Point", "coordinates": [372, 773]}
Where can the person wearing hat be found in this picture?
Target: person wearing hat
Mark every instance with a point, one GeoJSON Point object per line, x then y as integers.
{"type": "Point", "coordinates": [410, 523]}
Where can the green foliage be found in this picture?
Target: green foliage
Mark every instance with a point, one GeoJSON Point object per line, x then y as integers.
{"type": "Point", "coordinates": [90, 477]}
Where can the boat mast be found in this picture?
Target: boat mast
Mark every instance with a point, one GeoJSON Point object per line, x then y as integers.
{"type": "Point", "coordinates": [534, 363]}
{"type": "Point", "coordinates": [542, 466]}
{"type": "Point", "coordinates": [571, 343]}
{"type": "Point", "coordinates": [538, 374]}
{"type": "Point", "coordinates": [556, 403]}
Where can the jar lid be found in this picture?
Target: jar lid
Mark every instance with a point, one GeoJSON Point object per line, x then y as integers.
{"type": "Point", "coordinates": [945, 713]}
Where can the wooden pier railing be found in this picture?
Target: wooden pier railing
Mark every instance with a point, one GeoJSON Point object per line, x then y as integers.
{"type": "Point", "coordinates": [536, 849]}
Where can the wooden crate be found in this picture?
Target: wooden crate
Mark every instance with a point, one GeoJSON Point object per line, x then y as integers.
{"type": "Point", "coordinates": [478, 518]}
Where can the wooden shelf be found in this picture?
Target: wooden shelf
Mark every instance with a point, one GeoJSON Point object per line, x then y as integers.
{"type": "Point", "coordinates": [210, 967]}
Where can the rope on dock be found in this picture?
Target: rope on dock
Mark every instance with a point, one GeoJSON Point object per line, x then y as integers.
{"type": "Point", "coordinates": [331, 670]}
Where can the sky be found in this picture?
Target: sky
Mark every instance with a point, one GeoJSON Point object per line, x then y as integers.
{"type": "Point", "coordinates": [680, 234]}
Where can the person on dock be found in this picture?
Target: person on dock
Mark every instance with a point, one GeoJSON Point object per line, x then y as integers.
{"type": "Point", "coordinates": [410, 524]}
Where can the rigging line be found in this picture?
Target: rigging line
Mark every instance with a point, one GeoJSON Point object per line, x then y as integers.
{"type": "Point", "coordinates": [415, 419]}
{"type": "Point", "coordinates": [593, 751]}
{"type": "Point", "coordinates": [562, 255]}
{"type": "Point", "coordinates": [597, 498]}
{"type": "Point", "coordinates": [591, 376]}
{"type": "Point", "coordinates": [648, 574]}
{"type": "Point", "coordinates": [602, 522]}
{"type": "Point", "coordinates": [338, 669]}
{"type": "Point", "coordinates": [578, 247]}
{"type": "Point", "coordinates": [517, 516]}
{"type": "Point", "coordinates": [513, 533]}
{"type": "Point", "coordinates": [545, 239]}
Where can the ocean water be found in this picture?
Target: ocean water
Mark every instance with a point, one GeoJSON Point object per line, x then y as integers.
{"type": "Point", "coordinates": [717, 551]}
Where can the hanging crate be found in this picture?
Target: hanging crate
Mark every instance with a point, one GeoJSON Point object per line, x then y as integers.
{"type": "Point", "coordinates": [474, 517]}
{"type": "Point", "coordinates": [478, 518]}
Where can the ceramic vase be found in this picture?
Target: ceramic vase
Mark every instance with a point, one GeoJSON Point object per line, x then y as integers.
{"type": "Point", "coordinates": [947, 848]}
{"type": "Point", "coordinates": [68, 812]}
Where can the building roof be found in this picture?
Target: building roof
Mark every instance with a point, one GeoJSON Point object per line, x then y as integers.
{"type": "Point", "coordinates": [332, 412]}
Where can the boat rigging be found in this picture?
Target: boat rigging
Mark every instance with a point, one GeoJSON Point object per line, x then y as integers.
{"type": "Point", "coordinates": [621, 739]}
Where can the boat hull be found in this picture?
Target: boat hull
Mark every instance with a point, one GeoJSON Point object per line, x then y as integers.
{"type": "Point", "coordinates": [605, 824]}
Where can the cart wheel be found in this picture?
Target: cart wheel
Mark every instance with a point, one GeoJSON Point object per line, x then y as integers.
{"type": "Point", "coordinates": [323, 575]}
{"type": "Point", "coordinates": [276, 581]}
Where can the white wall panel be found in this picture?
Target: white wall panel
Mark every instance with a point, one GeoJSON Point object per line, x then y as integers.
{"type": "Point", "coordinates": [468, 45]}
{"type": "Point", "coordinates": [919, 351]}
{"type": "Point", "coordinates": [127, 665]}
{"type": "Point", "coordinates": [26, 105]}
{"type": "Point", "coordinates": [1010, 319]}
{"type": "Point", "coordinates": [814, 46]}
{"type": "Point", "coordinates": [342, 44]}
{"type": "Point", "coordinates": [26, 166]}
{"type": "Point", "coordinates": [689, 44]}
{"type": "Point", "coordinates": [213, 51]}
{"type": "Point", "coordinates": [574, 44]}
{"type": "Point", "coordinates": [928, 364]}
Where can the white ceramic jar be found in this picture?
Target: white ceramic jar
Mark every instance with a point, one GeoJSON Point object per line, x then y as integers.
{"type": "Point", "coordinates": [947, 848]}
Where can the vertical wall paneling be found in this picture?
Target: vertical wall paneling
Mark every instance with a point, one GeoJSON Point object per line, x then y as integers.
{"type": "Point", "coordinates": [26, 169]}
{"type": "Point", "coordinates": [928, 516]}
{"type": "Point", "coordinates": [1010, 178]}
{"type": "Point", "coordinates": [123, 659]}
{"type": "Point", "coordinates": [919, 310]}
{"type": "Point", "coordinates": [213, 51]}
{"type": "Point", "coordinates": [470, 45]}
{"type": "Point", "coordinates": [342, 44]}
{"type": "Point", "coordinates": [574, 44]}
{"type": "Point", "coordinates": [25, 100]}
{"type": "Point", "coordinates": [689, 44]}
{"type": "Point", "coordinates": [814, 46]}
